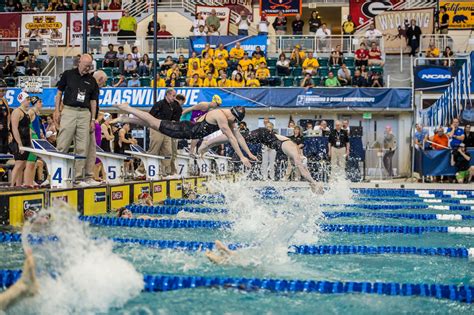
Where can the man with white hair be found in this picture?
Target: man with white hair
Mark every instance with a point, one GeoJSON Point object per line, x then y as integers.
{"type": "Point", "coordinates": [338, 148]}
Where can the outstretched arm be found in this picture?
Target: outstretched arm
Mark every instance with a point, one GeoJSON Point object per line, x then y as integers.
{"type": "Point", "coordinates": [201, 106]}
{"type": "Point", "coordinates": [224, 126]}
{"type": "Point", "coordinates": [243, 144]}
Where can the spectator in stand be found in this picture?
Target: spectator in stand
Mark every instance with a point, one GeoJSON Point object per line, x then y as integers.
{"type": "Point", "coordinates": [182, 66]}
{"type": "Point", "coordinates": [307, 81]}
{"type": "Point", "coordinates": [115, 5]}
{"type": "Point", "coordinates": [440, 140]}
{"type": "Point", "coordinates": [194, 58]}
{"type": "Point", "coordinates": [95, 25]}
{"type": "Point", "coordinates": [263, 74]}
{"type": "Point", "coordinates": [331, 81]}
{"type": "Point", "coordinates": [220, 63]}
{"type": "Point", "coordinates": [27, 7]}
{"type": "Point", "coordinates": [4, 118]}
{"type": "Point", "coordinates": [236, 54]}
{"type": "Point", "coordinates": [263, 25]}
{"type": "Point", "coordinates": [364, 72]}
{"type": "Point", "coordinates": [348, 27]}
{"type": "Point", "coordinates": [206, 61]}
{"type": "Point", "coordinates": [252, 81]}
{"type": "Point", "coordinates": [238, 70]}
{"type": "Point", "coordinates": [297, 25]}
{"type": "Point", "coordinates": [245, 62]}
{"type": "Point", "coordinates": [197, 23]}
{"type": "Point", "coordinates": [167, 64]}
{"type": "Point", "coordinates": [40, 7]}
{"type": "Point", "coordinates": [358, 80]}
{"type": "Point", "coordinates": [323, 128]}
{"type": "Point", "coordinates": [224, 82]}
{"type": "Point", "coordinates": [243, 23]}
{"type": "Point", "coordinates": [33, 66]}
{"type": "Point", "coordinates": [110, 57]}
{"type": "Point", "coordinates": [94, 5]}
{"type": "Point", "coordinates": [283, 65]}
{"type": "Point", "coordinates": [209, 81]}
{"type": "Point", "coordinates": [163, 33]}
{"type": "Point", "coordinates": [432, 52]}
{"type": "Point", "coordinates": [468, 136]}
{"type": "Point", "coordinates": [9, 6]}
{"type": "Point", "coordinates": [18, 6]}
{"type": "Point", "coordinates": [421, 137]}
{"type": "Point", "coordinates": [249, 70]}
{"type": "Point", "coordinates": [200, 31]}
{"type": "Point", "coordinates": [461, 159]}
{"type": "Point", "coordinates": [174, 69]}
{"type": "Point", "coordinates": [257, 59]}
{"type": "Point", "coordinates": [122, 82]}
{"type": "Point", "coordinates": [195, 69]}
{"type": "Point", "coordinates": [213, 20]}
{"type": "Point", "coordinates": [375, 56]}
{"type": "Point", "coordinates": [361, 56]}
{"type": "Point", "coordinates": [314, 23]}
{"type": "Point", "coordinates": [336, 56]}
{"type": "Point", "coordinates": [195, 81]}
{"type": "Point", "coordinates": [280, 24]}
{"type": "Point", "coordinates": [129, 66]}
{"type": "Point", "coordinates": [127, 26]}
{"type": "Point", "coordinates": [172, 80]}
{"type": "Point", "coordinates": [297, 56]}
{"type": "Point", "coordinates": [323, 35]}
{"type": "Point", "coordinates": [51, 7]}
{"type": "Point", "coordinates": [144, 66]}
{"type": "Point", "coordinates": [160, 81]}
{"type": "Point", "coordinates": [448, 53]}
{"type": "Point", "coordinates": [150, 30]}
{"type": "Point", "coordinates": [455, 134]}
{"type": "Point", "coordinates": [213, 31]}
{"type": "Point", "coordinates": [344, 75]}
{"type": "Point", "coordinates": [376, 80]}
{"type": "Point", "coordinates": [413, 37]}
{"type": "Point", "coordinates": [373, 34]}
{"type": "Point", "coordinates": [239, 80]}
{"type": "Point", "coordinates": [443, 23]}
{"type": "Point", "coordinates": [134, 81]}
{"type": "Point", "coordinates": [209, 50]}
{"type": "Point", "coordinates": [8, 67]}
{"type": "Point", "coordinates": [310, 64]}
{"type": "Point", "coordinates": [259, 50]}
{"type": "Point", "coordinates": [21, 58]}
{"type": "Point", "coordinates": [135, 54]}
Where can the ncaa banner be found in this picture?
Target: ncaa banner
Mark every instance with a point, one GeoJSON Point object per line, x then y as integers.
{"type": "Point", "coordinates": [249, 97]}
{"type": "Point", "coordinates": [109, 24]}
{"type": "Point", "coordinates": [222, 12]}
{"type": "Point", "coordinates": [364, 11]}
{"type": "Point", "coordinates": [10, 23]}
{"type": "Point", "coordinates": [434, 78]}
{"type": "Point", "coordinates": [288, 7]}
{"type": "Point", "coordinates": [461, 16]}
{"type": "Point", "coordinates": [390, 23]}
{"type": "Point", "coordinates": [45, 25]}
{"type": "Point", "coordinates": [247, 43]}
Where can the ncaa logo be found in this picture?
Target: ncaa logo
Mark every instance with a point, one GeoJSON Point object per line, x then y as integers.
{"type": "Point", "coordinates": [373, 8]}
{"type": "Point", "coordinates": [117, 195]}
{"type": "Point", "coordinates": [435, 75]}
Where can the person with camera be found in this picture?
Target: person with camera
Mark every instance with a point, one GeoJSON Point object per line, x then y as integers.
{"type": "Point", "coordinates": [461, 159]}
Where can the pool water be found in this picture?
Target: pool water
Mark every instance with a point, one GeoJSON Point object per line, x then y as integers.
{"type": "Point", "coordinates": [270, 226]}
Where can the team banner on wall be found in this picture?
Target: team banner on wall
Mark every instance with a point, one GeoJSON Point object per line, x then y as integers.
{"type": "Point", "coordinates": [9, 25]}
{"type": "Point", "coordinates": [436, 162]}
{"type": "Point", "coordinates": [434, 78]}
{"type": "Point", "coordinates": [109, 24]}
{"type": "Point", "coordinates": [52, 26]}
{"type": "Point", "coordinates": [364, 11]}
{"type": "Point", "coordinates": [251, 97]}
{"type": "Point", "coordinates": [461, 13]}
{"type": "Point", "coordinates": [390, 22]}
{"type": "Point", "coordinates": [222, 12]}
{"type": "Point", "coordinates": [247, 43]}
{"type": "Point", "coordinates": [288, 7]}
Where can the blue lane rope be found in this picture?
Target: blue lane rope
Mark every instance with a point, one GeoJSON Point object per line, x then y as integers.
{"type": "Point", "coordinates": [459, 252]}
{"type": "Point", "coordinates": [347, 228]}
{"type": "Point", "coordinates": [142, 209]}
{"type": "Point", "coordinates": [401, 207]}
{"type": "Point", "coordinates": [410, 200]}
{"type": "Point", "coordinates": [409, 193]}
{"type": "Point", "coordinates": [158, 283]}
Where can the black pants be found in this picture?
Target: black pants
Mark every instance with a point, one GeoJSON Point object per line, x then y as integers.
{"type": "Point", "coordinates": [387, 162]}
{"type": "Point", "coordinates": [414, 44]}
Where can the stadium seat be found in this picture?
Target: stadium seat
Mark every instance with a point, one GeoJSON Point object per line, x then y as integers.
{"type": "Point", "coordinates": [11, 82]}
{"type": "Point", "coordinates": [323, 71]}
{"type": "Point", "coordinates": [108, 71]}
{"type": "Point", "coordinates": [272, 71]}
{"type": "Point", "coordinates": [323, 62]}
{"type": "Point", "coordinates": [145, 81]}
{"type": "Point", "coordinates": [376, 69]}
{"type": "Point", "coordinates": [181, 81]}
{"type": "Point", "coordinates": [99, 63]}
{"type": "Point", "coordinates": [110, 81]}
{"type": "Point", "coordinates": [271, 62]}
{"type": "Point", "coordinates": [274, 81]}
{"type": "Point", "coordinates": [349, 61]}
{"type": "Point", "coordinates": [317, 80]}
{"type": "Point", "coordinates": [288, 81]}
{"type": "Point", "coordinates": [297, 71]}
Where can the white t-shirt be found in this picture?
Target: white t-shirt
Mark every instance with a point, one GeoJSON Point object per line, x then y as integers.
{"type": "Point", "coordinates": [243, 25]}
{"type": "Point", "coordinates": [323, 33]}
{"type": "Point", "coordinates": [196, 24]}
{"type": "Point", "coordinates": [373, 34]}
{"type": "Point", "coordinates": [284, 63]}
{"type": "Point", "coordinates": [263, 27]}
{"type": "Point", "coordinates": [197, 32]}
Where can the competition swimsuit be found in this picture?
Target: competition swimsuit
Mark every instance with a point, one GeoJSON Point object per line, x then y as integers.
{"type": "Point", "coordinates": [265, 137]}
{"type": "Point", "coordinates": [187, 129]}
{"type": "Point", "coordinates": [24, 131]}
{"type": "Point", "coordinates": [5, 127]}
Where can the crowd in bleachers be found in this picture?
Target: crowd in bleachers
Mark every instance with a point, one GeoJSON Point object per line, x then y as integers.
{"type": "Point", "coordinates": [59, 5]}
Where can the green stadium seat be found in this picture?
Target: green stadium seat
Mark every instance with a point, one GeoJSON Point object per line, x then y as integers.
{"type": "Point", "coordinates": [274, 81]}
{"type": "Point", "coordinates": [323, 71]}
{"type": "Point", "coordinates": [271, 62]}
{"type": "Point", "coordinates": [11, 82]}
{"type": "Point", "coordinates": [349, 61]}
{"type": "Point", "coordinates": [297, 80]}
{"type": "Point", "coordinates": [297, 71]}
{"type": "Point", "coordinates": [99, 63]}
{"type": "Point", "coordinates": [376, 69]}
{"type": "Point", "coordinates": [288, 81]}
{"type": "Point", "coordinates": [145, 81]}
{"type": "Point", "coordinates": [323, 62]}
{"type": "Point", "coordinates": [334, 68]}
{"type": "Point", "coordinates": [108, 71]}
{"type": "Point", "coordinates": [317, 80]}
{"type": "Point", "coordinates": [110, 81]}
{"type": "Point", "coordinates": [272, 70]}
{"type": "Point", "coordinates": [181, 81]}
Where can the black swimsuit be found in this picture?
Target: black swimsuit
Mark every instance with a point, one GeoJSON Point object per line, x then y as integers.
{"type": "Point", "coordinates": [24, 131]}
{"type": "Point", "coordinates": [265, 137]}
{"type": "Point", "coordinates": [5, 127]}
{"type": "Point", "coordinates": [187, 129]}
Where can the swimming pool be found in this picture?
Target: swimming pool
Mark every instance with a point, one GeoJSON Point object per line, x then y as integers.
{"type": "Point", "coordinates": [347, 240]}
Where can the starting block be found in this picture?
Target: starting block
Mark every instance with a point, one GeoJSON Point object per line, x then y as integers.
{"type": "Point", "coordinates": [222, 163]}
{"type": "Point", "coordinates": [182, 165]}
{"type": "Point", "coordinates": [205, 164]}
{"type": "Point", "coordinates": [151, 162]}
{"type": "Point", "coordinates": [113, 165]}
{"type": "Point", "coordinates": [60, 165]}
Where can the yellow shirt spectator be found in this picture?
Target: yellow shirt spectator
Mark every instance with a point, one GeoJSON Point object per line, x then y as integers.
{"type": "Point", "coordinates": [170, 71]}
{"type": "Point", "coordinates": [310, 64]}
{"type": "Point", "coordinates": [210, 51]}
{"type": "Point", "coordinates": [205, 62]}
{"type": "Point", "coordinates": [222, 52]}
{"type": "Point", "coordinates": [220, 63]}
{"type": "Point", "coordinates": [238, 84]}
{"type": "Point", "coordinates": [225, 83]}
{"type": "Point", "coordinates": [193, 60]}
{"type": "Point", "coordinates": [195, 82]}
{"type": "Point", "coordinates": [263, 73]}
{"type": "Point", "coordinates": [127, 23]}
{"type": "Point", "coordinates": [198, 71]}
{"type": "Point", "coordinates": [301, 53]}
{"type": "Point", "coordinates": [209, 82]}
{"type": "Point", "coordinates": [253, 83]}
{"type": "Point", "coordinates": [236, 53]}
{"type": "Point", "coordinates": [245, 64]}
{"type": "Point", "coordinates": [161, 83]}
{"type": "Point", "coordinates": [256, 61]}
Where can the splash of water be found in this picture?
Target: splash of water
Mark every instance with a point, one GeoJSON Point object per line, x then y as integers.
{"type": "Point", "coordinates": [76, 273]}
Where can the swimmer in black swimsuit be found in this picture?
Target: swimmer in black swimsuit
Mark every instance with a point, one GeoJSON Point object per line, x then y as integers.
{"type": "Point", "coordinates": [273, 141]}
{"type": "Point", "coordinates": [213, 121]}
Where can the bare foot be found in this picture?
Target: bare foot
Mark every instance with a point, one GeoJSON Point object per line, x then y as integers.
{"type": "Point", "coordinates": [220, 246]}
{"type": "Point", "coordinates": [214, 258]}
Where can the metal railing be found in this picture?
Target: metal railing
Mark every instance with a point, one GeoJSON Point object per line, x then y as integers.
{"type": "Point", "coordinates": [9, 46]}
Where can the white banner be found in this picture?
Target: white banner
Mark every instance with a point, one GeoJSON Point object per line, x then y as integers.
{"type": "Point", "coordinates": [45, 25]}
{"type": "Point", "coordinates": [222, 12]}
{"type": "Point", "coordinates": [109, 24]}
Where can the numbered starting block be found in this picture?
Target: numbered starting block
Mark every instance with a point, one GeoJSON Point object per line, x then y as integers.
{"type": "Point", "coordinates": [60, 165]}
{"type": "Point", "coordinates": [182, 165]}
{"type": "Point", "coordinates": [205, 164]}
{"type": "Point", "coordinates": [113, 165]}
{"type": "Point", "coordinates": [222, 163]}
{"type": "Point", "coordinates": [151, 162]}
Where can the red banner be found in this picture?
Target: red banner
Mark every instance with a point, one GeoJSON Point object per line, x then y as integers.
{"type": "Point", "coordinates": [9, 25]}
{"type": "Point", "coordinates": [363, 12]}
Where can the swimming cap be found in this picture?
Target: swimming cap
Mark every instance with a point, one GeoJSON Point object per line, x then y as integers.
{"type": "Point", "coordinates": [22, 96]}
{"type": "Point", "coordinates": [238, 112]}
{"type": "Point", "coordinates": [34, 100]}
{"type": "Point", "coordinates": [217, 99]}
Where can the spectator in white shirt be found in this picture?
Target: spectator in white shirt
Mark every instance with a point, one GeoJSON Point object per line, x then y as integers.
{"type": "Point", "coordinates": [200, 31]}
{"type": "Point", "coordinates": [263, 25]}
{"type": "Point", "coordinates": [198, 21]}
{"type": "Point", "coordinates": [243, 23]}
{"type": "Point", "coordinates": [323, 128]}
{"type": "Point", "coordinates": [373, 34]}
{"type": "Point", "coordinates": [322, 34]}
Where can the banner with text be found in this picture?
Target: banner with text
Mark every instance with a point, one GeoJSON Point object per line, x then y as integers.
{"type": "Point", "coordinates": [288, 7]}
{"type": "Point", "coordinates": [222, 12]}
{"type": "Point", "coordinates": [248, 43]}
{"type": "Point", "coordinates": [390, 23]}
{"type": "Point", "coordinates": [9, 25]}
{"type": "Point", "coordinates": [434, 78]}
{"type": "Point", "coordinates": [363, 12]}
{"type": "Point", "coordinates": [52, 26]}
{"type": "Point", "coordinates": [383, 98]}
{"type": "Point", "coordinates": [109, 24]}
{"type": "Point", "coordinates": [461, 14]}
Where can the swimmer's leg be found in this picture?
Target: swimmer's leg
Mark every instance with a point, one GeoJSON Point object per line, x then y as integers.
{"type": "Point", "coordinates": [215, 258]}
{"type": "Point", "coordinates": [206, 144]}
{"type": "Point", "coordinates": [222, 248]}
{"type": "Point", "coordinates": [143, 116]}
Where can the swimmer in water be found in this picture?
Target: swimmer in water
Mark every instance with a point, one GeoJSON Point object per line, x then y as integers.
{"type": "Point", "coordinates": [145, 199]}
{"type": "Point", "coordinates": [275, 141]}
{"type": "Point", "coordinates": [223, 120]}
{"type": "Point", "coordinates": [223, 255]}
{"type": "Point", "coordinates": [125, 213]}
{"type": "Point", "coordinates": [26, 286]}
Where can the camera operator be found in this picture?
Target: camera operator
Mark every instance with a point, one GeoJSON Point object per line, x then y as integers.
{"type": "Point", "coordinates": [460, 159]}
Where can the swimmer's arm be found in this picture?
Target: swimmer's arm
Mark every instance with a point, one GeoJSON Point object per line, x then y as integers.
{"type": "Point", "coordinates": [243, 143]}
{"type": "Point", "coordinates": [14, 293]}
{"type": "Point", "coordinates": [224, 126]}
{"type": "Point", "coordinates": [201, 106]}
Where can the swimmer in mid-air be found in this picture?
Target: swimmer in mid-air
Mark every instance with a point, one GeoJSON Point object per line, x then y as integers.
{"type": "Point", "coordinates": [274, 141]}
{"type": "Point", "coordinates": [215, 120]}
{"type": "Point", "coordinates": [223, 254]}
